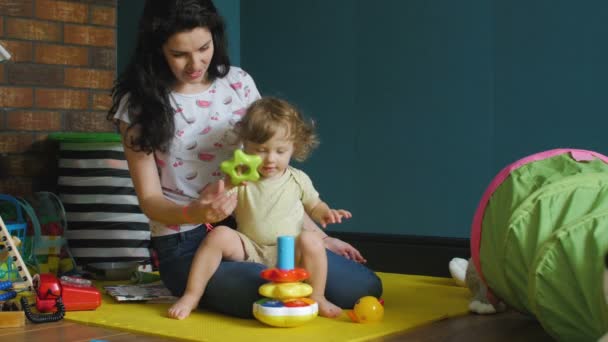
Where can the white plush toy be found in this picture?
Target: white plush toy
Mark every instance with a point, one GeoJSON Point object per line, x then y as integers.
{"type": "Point", "coordinates": [464, 273]}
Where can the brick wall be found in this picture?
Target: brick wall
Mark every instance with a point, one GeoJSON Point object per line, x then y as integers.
{"type": "Point", "coordinates": [58, 80]}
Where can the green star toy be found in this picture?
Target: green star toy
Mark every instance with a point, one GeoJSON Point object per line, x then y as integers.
{"type": "Point", "coordinates": [232, 167]}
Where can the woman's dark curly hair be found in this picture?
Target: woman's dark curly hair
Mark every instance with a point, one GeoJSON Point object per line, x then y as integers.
{"type": "Point", "coordinates": [147, 79]}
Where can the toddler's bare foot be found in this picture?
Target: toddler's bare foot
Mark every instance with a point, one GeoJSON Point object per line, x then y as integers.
{"type": "Point", "coordinates": [326, 308]}
{"type": "Point", "coordinates": [182, 308]}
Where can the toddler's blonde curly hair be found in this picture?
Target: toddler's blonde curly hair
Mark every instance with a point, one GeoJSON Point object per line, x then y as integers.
{"type": "Point", "coordinates": [266, 115]}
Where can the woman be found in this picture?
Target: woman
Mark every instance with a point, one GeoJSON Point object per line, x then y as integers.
{"type": "Point", "coordinates": [176, 105]}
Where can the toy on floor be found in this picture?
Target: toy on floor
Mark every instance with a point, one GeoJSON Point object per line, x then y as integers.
{"type": "Point", "coordinates": [4, 250]}
{"type": "Point", "coordinates": [56, 296]}
{"type": "Point", "coordinates": [286, 305]}
{"type": "Point", "coordinates": [46, 246]}
{"type": "Point", "coordinates": [49, 290]}
{"type": "Point", "coordinates": [39, 223]}
{"type": "Point", "coordinates": [11, 316]}
{"type": "Point", "coordinates": [464, 274]}
{"type": "Point", "coordinates": [44, 318]}
{"type": "Point", "coordinates": [15, 263]}
{"type": "Point", "coordinates": [77, 294]}
{"type": "Point", "coordinates": [7, 268]}
{"type": "Point", "coordinates": [242, 167]}
{"type": "Point", "coordinates": [7, 291]}
{"type": "Point", "coordinates": [366, 310]}
{"type": "Point", "coordinates": [12, 236]}
{"type": "Point", "coordinates": [538, 242]}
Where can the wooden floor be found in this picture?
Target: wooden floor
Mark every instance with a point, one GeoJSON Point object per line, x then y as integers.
{"type": "Point", "coordinates": [508, 326]}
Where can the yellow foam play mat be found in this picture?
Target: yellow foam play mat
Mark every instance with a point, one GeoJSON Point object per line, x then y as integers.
{"type": "Point", "coordinates": [409, 301]}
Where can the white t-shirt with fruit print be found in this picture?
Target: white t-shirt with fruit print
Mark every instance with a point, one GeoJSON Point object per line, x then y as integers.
{"type": "Point", "coordinates": [204, 137]}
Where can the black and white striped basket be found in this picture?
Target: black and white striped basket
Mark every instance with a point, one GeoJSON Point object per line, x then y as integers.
{"type": "Point", "coordinates": [105, 223]}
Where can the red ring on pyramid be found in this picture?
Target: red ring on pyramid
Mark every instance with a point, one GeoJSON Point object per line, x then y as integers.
{"type": "Point", "coordinates": [284, 276]}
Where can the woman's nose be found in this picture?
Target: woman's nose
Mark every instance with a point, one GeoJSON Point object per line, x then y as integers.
{"type": "Point", "coordinates": [194, 62]}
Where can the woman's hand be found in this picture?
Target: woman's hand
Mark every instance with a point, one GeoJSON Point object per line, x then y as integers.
{"type": "Point", "coordinates": [214, 203]}
{"type": "Point", "coordinates": [344, 249]}
{"type": "Point", "coordinates": [335, 245]}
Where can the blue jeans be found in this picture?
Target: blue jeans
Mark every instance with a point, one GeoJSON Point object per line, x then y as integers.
{"type": "Point", "coordinates": [233, 288]}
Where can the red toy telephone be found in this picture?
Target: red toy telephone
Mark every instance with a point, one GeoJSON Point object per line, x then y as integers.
{"type": "Point", "coordinates": [58, 296]}
{"type": "Point", "coordinates": [77, 294]}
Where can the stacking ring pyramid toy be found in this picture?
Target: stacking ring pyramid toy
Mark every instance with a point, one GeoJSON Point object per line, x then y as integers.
{"type": "Point", "coordinates": [286, 304]}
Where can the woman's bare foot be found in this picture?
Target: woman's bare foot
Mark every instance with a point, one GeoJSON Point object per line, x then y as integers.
{"type": "Point", "coordinates": [182, 308]}
{"type": "Point", "coordinates": [326, 308]}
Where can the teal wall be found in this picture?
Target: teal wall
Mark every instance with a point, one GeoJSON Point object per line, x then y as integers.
{"type": "Point", "coordinates": [421, 102]}
{"type": "Point", "coordinates": [402, 93]}
{"type": "Point", "coordinates": [129, 12]}
{"type": "Point", "coordinates": [551, 76]}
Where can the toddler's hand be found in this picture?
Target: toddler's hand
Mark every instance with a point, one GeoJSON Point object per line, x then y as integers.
{"type": "Point", "coordinates": [334, 216]}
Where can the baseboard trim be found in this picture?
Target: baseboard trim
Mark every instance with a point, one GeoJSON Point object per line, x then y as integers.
{"type": "Point", "coordinates": [407, 254]}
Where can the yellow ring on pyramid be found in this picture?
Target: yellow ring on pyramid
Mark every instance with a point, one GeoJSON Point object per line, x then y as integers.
{"type": "Point", "coordinates": [285, 290]}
